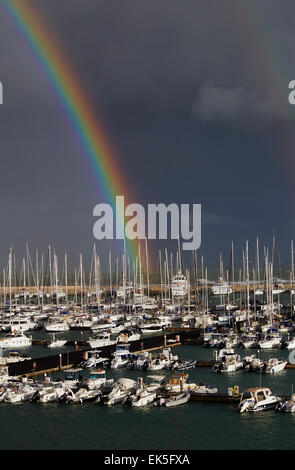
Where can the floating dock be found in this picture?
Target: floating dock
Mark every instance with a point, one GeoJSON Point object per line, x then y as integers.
{"type": "Point", "coordinates": [71, 359]}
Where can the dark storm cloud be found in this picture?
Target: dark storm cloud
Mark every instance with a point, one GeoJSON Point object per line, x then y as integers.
{"type": "Point", "coordinates": [239, 107]}
{"type": "Point", "coordinates": [165, 53]}
{"type": "Point", "coordinates": [181, 86]}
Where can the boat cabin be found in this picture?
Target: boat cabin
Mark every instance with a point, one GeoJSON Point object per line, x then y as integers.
{"type": "Point", "coordinates": [178, 379]}
{"type": "Point", "coordinates": [257, 394]}
{"type": "Point", "coordinates": [97, 374]}
{"type": "Point", "coordinates": [122, 349]}
{"type": "Point", "coordinates": [72, 374]}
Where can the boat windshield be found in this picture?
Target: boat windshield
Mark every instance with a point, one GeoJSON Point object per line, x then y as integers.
{"type": "Point", "coordinates": [260, 396]}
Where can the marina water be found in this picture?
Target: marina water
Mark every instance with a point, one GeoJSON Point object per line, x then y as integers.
{"type": "Point", "coordinates": [193, 425]}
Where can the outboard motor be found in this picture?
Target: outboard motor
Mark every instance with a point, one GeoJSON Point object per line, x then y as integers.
{"type": "Point", "coordinates": [36, 397]}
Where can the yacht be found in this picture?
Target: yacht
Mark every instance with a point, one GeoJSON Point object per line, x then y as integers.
{"type": "Point", "coordinates": [100, 340]}
{"type": "Point", "coordinates": [19, 324]}
{"type": "Point", "coordinates": [258, 399]}
{"type": "Point", "coordinates": [56, 326]}
{"type": "Point", "coordinates": [128, 335]}
{"type": "Point", "coordinates": [179, 285]}
{"type": "Point", "coordinates": [221, 288]}
{"type": "Point", "coordinates": [81, 323]}
{"type": "Point", "coordinates": [15, 340]}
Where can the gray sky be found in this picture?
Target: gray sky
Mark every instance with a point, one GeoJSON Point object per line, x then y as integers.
{"type": "Point", "coordinates": [194, 96]}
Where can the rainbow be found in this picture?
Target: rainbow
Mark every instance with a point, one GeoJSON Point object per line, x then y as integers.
{"type": "Point", "coordinates": [84, 123]}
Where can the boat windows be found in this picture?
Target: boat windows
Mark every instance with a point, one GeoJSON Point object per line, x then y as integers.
{"type": "Point", "coordinates": [260, 396]}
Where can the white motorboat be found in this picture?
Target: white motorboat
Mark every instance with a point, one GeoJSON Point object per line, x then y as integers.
{"type": "Point", "coordinates": [12, 357]}
{"type": "Point", "coordinates": [155, 383]}
{"type": "Point", "coordinates": [151, 328]}
{"type": "Point", "coordinates": [128, 335]}
{"type": "Point", "coordinates": [174, 400]}
{"type": "Point", "coordinates": [55, 343]}
{"type": "Point", "coordinates": [252, 363]}
{"type": "Point", "coordinates": [275, 365]}
{"type": "Point", "coordinates": [250, 342]}
{"type": "Point", "coordinates": [102, 326]}
{"type": "Point", "coordinates": [93, 359]}
{"type": "Point", "coordinates": [72, 378]}
{"type": "Point", "coordinates": [179, 383]}
{"type": "Point", "coordinates": [55, 326]}
{"type": "Point", "coordinates": [81, 396]}
{"type": "Point", "coordinates": [222, 354]}
{"type": "Point", "coordinates": [18, 324]}
{"type": "Point", "coordinates": [51, 392]}
{"type": "Point", "coordinates": [20, 393]}
{"type": "Point", "coordinates": [258, 399]}
{"type": "Point", "coordinates": [270, 341]}
{"type": "Point", "coordinates": [288, 406]}
{"type": "Point", "coordinates": [157, 364]}
{"type": "Point", "coordinates": [204, 389]}
{"type": "Point", "coordinates": [15, 340]}
{"type": "Point", "coordinates": [140, 361]}
{"type": "Point", "coordinates": [143, 395]}
{"type": "Point", "coordinates": [97, 381]}
{"type": "Point", "coordinates": [101, 340]}
{"type": "Point", "coordinates": [286, 327]}
{"type": "Point", "coordinates": [4, 375]}
{"type": "Point", "coordinates": [117, 395]}
{"type": "Point", "coordinates": [121, 356]}
{"type": "Point", "coordinates": [231, 363]}
{"type": "Point", "coordinates": [290, 343]}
